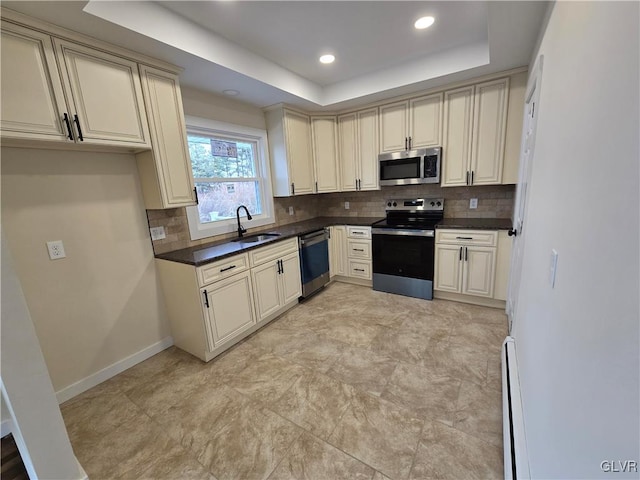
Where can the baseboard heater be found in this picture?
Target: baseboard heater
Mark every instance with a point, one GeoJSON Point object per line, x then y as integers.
{"type": "Point", "coordinates": [516, 460]}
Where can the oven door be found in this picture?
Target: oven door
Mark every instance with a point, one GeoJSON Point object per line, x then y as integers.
{"type": "Point", "coordinates": [403, 261]}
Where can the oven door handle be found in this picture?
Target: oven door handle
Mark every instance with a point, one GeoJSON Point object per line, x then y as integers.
{"type": "Point", "coordinates": [403, 231]}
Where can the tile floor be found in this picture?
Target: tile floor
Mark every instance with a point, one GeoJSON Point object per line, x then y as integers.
{"type": "Point", "coordinates": [351, 384]}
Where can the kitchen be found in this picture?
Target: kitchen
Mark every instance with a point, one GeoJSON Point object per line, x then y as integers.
{"type": "Point", "coordinates": [106, 293]}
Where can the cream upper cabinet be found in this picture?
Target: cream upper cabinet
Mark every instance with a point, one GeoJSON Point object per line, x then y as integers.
{"type": "Point", "coordinates": [358, 142]}
{"type": "Point", "coordinates": [289, 135]}
{"type": "Point", "coordinates": [165, 171]}
{"type": "Point", "coordinates": [33, 104]}
{"type": "Point", "coordinates": [368, 151]}
{"type": "Point", "coordinates": [474, 134]}
{"type": "Point", "coordinates": [415, 123]}
{"type": "Point", "coordinates": [394, 127]}
{"type": "Point", "coordinates": [348, 151]}
{"type": "Point", "coordinates": [105, 96]}
{"type": "Point", "coordinates": [324, 136]}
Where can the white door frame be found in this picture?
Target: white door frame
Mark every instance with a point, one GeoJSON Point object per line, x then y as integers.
{"type": "Point", "coordinates": [527, 147]}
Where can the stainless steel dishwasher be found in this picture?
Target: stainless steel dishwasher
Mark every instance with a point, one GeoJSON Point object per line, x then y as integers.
{"type": "Point", "coordinates": [314, 261]}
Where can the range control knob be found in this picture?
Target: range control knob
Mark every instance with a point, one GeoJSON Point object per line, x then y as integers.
{"type": "Point", "coordinates": [438, 203]}
{"type": "Point", "coordinates": [388, 204]}
{"type": "Point", "coordinates": [395, 204]}
{"type": "Point", "coordinates": [433, 204]}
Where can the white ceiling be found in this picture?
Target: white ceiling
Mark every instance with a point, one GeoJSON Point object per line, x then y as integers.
{"type": "Point", "coordinates": [268, 51]}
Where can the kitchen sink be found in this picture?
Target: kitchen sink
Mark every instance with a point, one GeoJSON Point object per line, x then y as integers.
{"type": "Point", "coordinates": [263, 237]}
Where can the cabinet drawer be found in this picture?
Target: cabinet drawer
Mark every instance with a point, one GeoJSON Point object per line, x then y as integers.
{"type": "Point", "coordinates": [273, 252]}
{"type": "Point", "coordinates": [360, 269]}
{"type": "Point", "coordinates": [215, 271]}
{"type": "Point", "coordinates": [359, 232]}
{"type": "Point", "coordinates": [482, 238]}
{"type": "Point", "coordinates": [359, 249]}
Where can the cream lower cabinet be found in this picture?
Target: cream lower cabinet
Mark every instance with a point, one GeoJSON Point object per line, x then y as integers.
{"type": "Point", "coordinates": [214, 306]}
{"type": "Point", "coordinates": [350, 254]}
{"type": "Point", "coordinates": [275, 274]}
{"type": "Point", "coordinates": [472, 264]}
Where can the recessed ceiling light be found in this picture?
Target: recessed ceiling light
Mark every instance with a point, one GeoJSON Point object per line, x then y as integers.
{"type": "Point", "coordinates": [327, 58]}
{"type": "Point", "coordinates": [424, 22]}
{"type": "Point", "coordinates": [231, 93]}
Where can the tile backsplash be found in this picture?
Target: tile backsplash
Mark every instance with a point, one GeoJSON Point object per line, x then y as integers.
{"type": "Point", "coordinates": [494, 201]}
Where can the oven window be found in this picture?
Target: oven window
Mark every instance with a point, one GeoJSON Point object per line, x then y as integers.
{"type": "Point", "coordinates": [399, 169]}
{"type": "Point", "coordinates": [403, 256]}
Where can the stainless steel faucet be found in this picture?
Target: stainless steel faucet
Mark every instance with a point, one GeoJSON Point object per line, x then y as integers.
{"type": "Point", "coordinates": [241, 229]}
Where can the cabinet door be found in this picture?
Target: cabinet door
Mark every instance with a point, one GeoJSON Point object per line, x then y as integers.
{"type": "Point", "coordinates": [338, 251]}
{"type": "Point", "coordinates": [169, 137]}
{"type": "Point", "coordinates": [230, 307]}
{"type": "Point", "coordinates": [325, 154]}
{"type": "Point", "coordinates": [425, 121]}
{"type": "Point", "coordinates": [298, 136]}
{"type": "Point", "coordinates": [393, 127]}
{"type": "Point", "coordinates": [105, 94]}
{"type": "Point", "coordinates": [478, 273]}
{"type": "Point", "coordinates": [290, 283]}
{"type": "Point", "coordinates": [456, 144]}
{"type": "Point", "coordinates": [447, 268]}
{"type": "Point", "coordinates": [33, 104]}
{"type": "Point", "coordinates": [265, 289]}
{"type": "Point", "coordinates": [368, 149]}
{"type": "Point", "coordinates": [347, 149]}
{"type": "Point", "coordinates": [489, 130]}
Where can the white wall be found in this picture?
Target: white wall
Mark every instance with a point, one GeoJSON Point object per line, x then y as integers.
{"type": "Point", "coordinates": [103, 302]}
{"type": "Point", "coordinates": [223, 109]}
{"type": "Point", "coordinates": [37, 424]}
{"type": "Point", "coordinates": [578, 344]}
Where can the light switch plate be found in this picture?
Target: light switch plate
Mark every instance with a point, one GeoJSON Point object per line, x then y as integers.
{"type": "Point", "coordinates": [157, 233]}
{"type": "Point", "coordinates": [56, 250]}
{"type": "Point", "coordinates": [346, 205]}
{"type": "Point", "coordinates": [553, 267]}
{"type": "Point", "coordinates": [473, 203]}
{"type": "Point", "coordinates": [290, 210]}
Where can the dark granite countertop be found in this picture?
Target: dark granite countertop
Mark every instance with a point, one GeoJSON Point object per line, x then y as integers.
{"type": "Point", "coordinates": [210, 252]}
{"type": "Point", "coordinates": [476, 223]}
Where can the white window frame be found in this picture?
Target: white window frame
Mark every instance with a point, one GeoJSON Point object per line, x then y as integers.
{"type": "Point", "coordinates": [207, 127]}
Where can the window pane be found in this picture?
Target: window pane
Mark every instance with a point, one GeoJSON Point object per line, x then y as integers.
{"type": "Point", "coordinates": [219, 200]}
{"type": "Point", "coordinates": [221, 157]}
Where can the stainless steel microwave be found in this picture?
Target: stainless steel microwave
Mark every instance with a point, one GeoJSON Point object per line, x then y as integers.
{"type": "Point", "coordinates": [410, 167]}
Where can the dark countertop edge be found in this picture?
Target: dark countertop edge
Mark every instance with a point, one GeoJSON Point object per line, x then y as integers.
{"type": "Point", "coordinates": [476, 223]}
{"type": "Point", "coordinates": [187, 255]}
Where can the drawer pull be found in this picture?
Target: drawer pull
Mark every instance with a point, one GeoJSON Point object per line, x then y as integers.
{"type": "Point", "coordinates": [358, 269]}
{"type": "Point", "coordinates": [358, 250]}
{"type": "Point", "coordinates": [464, 238]}
{"type": "Point", "coordinates": [228, 268]}
{"type": "Point", "coordinates": [358, 233]}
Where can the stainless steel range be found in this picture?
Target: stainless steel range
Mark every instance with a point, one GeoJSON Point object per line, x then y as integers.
{"type": "Point", "coordinates": [403, 247]}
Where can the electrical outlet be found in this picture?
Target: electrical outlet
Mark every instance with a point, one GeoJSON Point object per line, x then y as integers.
{"type": "Point", "coordinates": [56, 249]}
{"type": "Point", "coordinates": [473, 203]}
{"type": "Point", "coordinates": [346, 205]}
{"type": "Point", "coordinates": [290, 210]}
{"type": "Point", "coordinates": [157, 233]}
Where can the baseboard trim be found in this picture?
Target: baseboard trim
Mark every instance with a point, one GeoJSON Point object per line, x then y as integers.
{"type": "Point", "coordinates": [471, 299]}
{"type": "Point", "coordinates": [112, 370]}
{"type": "Point", "coordinates": [6, 427]}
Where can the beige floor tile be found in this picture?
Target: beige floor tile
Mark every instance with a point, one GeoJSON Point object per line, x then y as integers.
{"type": "Point", "coordinates": [353, 329]}
{"type": "Point", "coordinates": [466, 362]}
{"type": "Point", "coordinates": [417, 388]}
{"type": "Point", "coordinates": [176, 465]}
{"type": "Point", "coordinates": [313, 459]}
{"type": "Point", "coordinates": [411, 347]}
{"type": "Point", "coordinates": [315, 402]}
{"type": "Point", "coordinates": [380, 476]}
{"type": "Point", "coordinates": [489, 336]}
{"type": "Point", "coordinates": [267, 378]}
{"type": "Point", "coordinates": [250, 446]}
{"type": "Point", "coordinates": [479, 413]}
{"type": "Point", "coordinates": [379, 433]}
{"type": "Point", "coordinates": [364, 369]}
{"type": "Point", "coordinates": [494, 372]}
{"type": "Point", "coordinates": [319, 353]}
{"type": "Point", "coordinates": [446, 453]}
